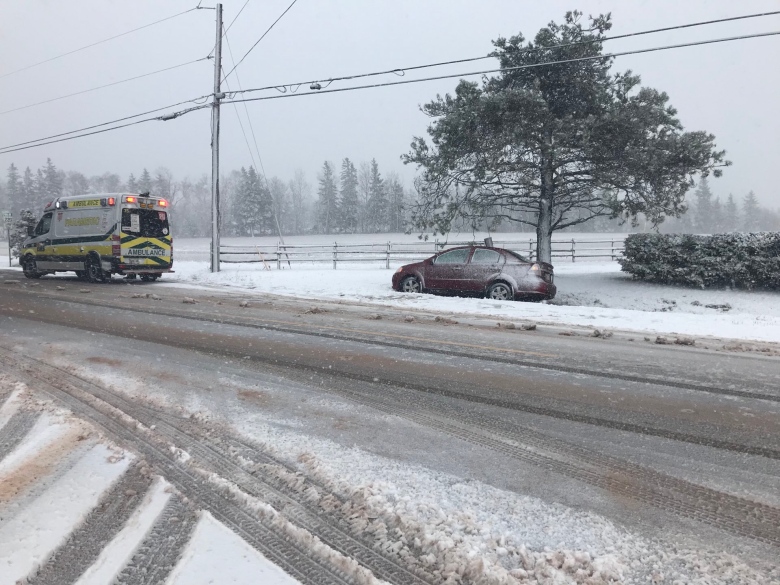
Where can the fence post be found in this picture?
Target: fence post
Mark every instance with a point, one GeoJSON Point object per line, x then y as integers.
{"type": "Point", "coordinates": [335, 254]}
{"type": "Point", "coordinates": [572, 250]}
{"type": "Point", "coordinates": [613, 249]}
{"type": "Point", "coordinates": [530, 249]}
{"type": "Point", "coordinates": [387, 261]}
{"type": "Point", "coordinates": [278, 256]}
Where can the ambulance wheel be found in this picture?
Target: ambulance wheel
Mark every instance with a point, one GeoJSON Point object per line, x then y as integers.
{"type": "Point", "coordinates": [95, 272]}
{"type": "Point", "coordinates": [149, 277]}
{"type": "Point", "coordinates": [30, 268]}
{"type": "Point", "coordinates": [81, 274]}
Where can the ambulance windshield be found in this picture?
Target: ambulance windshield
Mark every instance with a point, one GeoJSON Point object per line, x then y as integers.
{"type": "Point", "coordinates": [147, 223]}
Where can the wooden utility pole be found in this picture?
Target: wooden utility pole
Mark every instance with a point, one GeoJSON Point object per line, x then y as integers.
{"type": "Point", "coordinates": [215, 145]}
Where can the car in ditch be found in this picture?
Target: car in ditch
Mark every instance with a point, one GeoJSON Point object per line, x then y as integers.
{"type": "Point", "coordinates": [486, 271]}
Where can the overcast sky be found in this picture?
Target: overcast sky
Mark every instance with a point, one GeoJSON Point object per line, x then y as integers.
{"type": "Point", "coordinates": [730, 89]}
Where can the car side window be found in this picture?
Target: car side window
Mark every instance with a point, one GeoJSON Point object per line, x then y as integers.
{"type": "Point", "coordinates": [43, 225]}
{"type": "Point", "coordinates": [453, 257]}
{"type": "Point", "coordinates": [485, 257]}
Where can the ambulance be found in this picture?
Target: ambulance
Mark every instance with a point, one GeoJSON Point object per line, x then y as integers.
{"type": "Point", "coordinates": [100, 235]}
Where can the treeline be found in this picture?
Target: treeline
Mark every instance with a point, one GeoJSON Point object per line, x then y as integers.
{"type": "Point", "coordinates": [707, 214]}
{"type": "Point", "coordinates": [356, 200]}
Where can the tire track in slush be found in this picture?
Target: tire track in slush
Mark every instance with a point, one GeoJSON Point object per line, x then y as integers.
{"type": "Point", "coordinates": [736, 515]}
{"type": "Point", "coordinates": [101, 525]}
{"type": "Point", "coordinates": [15, 430]}
{"type": "Point", "coordinates": [161, 550]}
{"type": "Point", "coordinates": [294, 557]}
{"type": "Point", "coordinates": [333, 533]}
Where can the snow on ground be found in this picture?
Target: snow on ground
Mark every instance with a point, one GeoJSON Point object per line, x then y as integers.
{"type": "Point", "coordinates": [120, 550]}
{"type": "Point", "coordinates": [217, 556]}
{"type": "Point", "coordinates": [590, 294]}
{"type": "Point", "coordinates": [593, 294]}
{"type": "Point", "coordinates": [30, 536]}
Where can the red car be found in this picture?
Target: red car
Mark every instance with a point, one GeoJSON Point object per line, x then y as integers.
{"type": "Point", "coordinates": [479, 270]}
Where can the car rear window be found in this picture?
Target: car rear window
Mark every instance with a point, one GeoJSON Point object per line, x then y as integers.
{"type": "Point", "coordinates": [515, 257]}
{"type": "Point", "coordinates": [146, 223]}
{"type": "Point", "coordinates": [485, 257]}
{"type": "Point", "coordinates": [453, 257]}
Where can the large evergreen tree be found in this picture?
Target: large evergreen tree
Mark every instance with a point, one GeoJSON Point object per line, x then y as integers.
{"type": "Point", "coordinates": [703, 220]}
{"type": "Point", "coordinates": [751, 213]}
{"type": "Point", "coordinates": [377, 201]}
{"type": "Point", "coordinates": [14, 190]}
{"type": "Point", "coordinates": [555, 145]}
{"type": "Point", "coordinates": [327, 203]}
{"type": "Point", "coordinates": [29, 190]}
{"type": "Point", "coordinates": [145, 182]}
{"type": "Point", "coordinates": [132, 184]}
{"type": "Point", "coordinates": [731, 220]}
{"type": "Point", "coordinates": [349, 204]}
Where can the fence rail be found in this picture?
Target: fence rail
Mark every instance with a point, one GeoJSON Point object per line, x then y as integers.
{"type": "Point", "coordinates": [386, 252]}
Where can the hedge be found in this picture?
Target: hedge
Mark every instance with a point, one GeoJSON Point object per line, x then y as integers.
{"type": "Point", "coordinates": [722, 260]}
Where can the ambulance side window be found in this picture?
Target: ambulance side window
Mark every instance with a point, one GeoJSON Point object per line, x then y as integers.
{"type": "Point", "coordinates": [43, 225]}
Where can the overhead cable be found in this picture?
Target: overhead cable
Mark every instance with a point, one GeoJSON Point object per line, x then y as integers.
{"type": "Point", "coordinates": [261, 37]}
{"type": "Point", "coordinates": [62, 97]}
{"type": "Point", "coordinates": [499, 70]}
{"type": "Point", "coordinates": [229, 26]}
{"type": "Point", "coordinates": [401, 70]}
{"type": "Point", "coordinates": [13, 146]}
{"type": "Point", "coordinates": [163, 118]}
{"type": "Point", "coordinates": [97, 43]}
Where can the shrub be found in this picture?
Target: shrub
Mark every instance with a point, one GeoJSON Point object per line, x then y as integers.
{"type": "Point", "coordinates": [722, 260]}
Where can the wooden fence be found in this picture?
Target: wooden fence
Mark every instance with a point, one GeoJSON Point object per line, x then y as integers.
{"type": "Point", "coordinates": [282, 255]}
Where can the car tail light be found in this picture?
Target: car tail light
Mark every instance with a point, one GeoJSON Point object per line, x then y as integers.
{"type": "Point", "coordinates": [536, 268]}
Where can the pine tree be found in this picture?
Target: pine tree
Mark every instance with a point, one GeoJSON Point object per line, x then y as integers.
{"type": "Point", "coordinates": [716, 215]}
{"type": "Point", "coordinates": [132, 184]}
{"type": "Point", "coordinates": [396, 205]}
{"type": "Point", "coordinates": [349, 204]}
{"type": "Point", "coordinates": [51, 182]}
{"type": "Point", "coordinates": [377, 201]}
{"type": "Point", "coordinates": [18, 233]}
{"type": "Point", "coordinates": [253, 200]}
{"type": "Point", "coordinates": [751, 213]}
{"type": "Point", "coordinates": [145, 182]}
{"type": "Point", "coordinates": [28, 194]}
{"type": "Point", "coordinates": [15, 190]}
{"type": "Point", "coordinates": [730, 214]}
{"type": "Point", "coordinates": [327, 202]}
{"type": "Point", "coordinates": [703, 218]}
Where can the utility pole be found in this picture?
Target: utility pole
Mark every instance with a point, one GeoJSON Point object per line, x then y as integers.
{"type": "Point", "coordinates": [215, 145]}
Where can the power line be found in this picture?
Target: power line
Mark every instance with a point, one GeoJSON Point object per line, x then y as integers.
{"type": "Point", "coordinates": [96, 43]}
{"type": "Point", "coordinates": [10, 146]}
{"type": "Point", "coordinates": [173, 115]}
{"type": "Point", "coordinates": [230, 25]}
{"type": "Point", "coordinates": [62, 97]}
{"type": "Point", "coordinates": [164, 118]}
{"type": "Point", "coordinates": [499, 70]}
{"type": "Point", "coordinates": [402, 70]}
{"type": "Point", "coordinates": [262, 37]}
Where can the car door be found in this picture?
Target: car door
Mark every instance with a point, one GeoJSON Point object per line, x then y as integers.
{"type": "Point", "coordinates": [446, 271]}
{"type": "Point", "coordinates": [41, 241]}
{"type": "Point", "coordinates": [484, 266]}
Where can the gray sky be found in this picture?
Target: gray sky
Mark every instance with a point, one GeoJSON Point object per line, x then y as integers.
{"type": "Point", "coordinates": [729, 89]}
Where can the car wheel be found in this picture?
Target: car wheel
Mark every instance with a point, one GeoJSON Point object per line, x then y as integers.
{"type": "Point", "coordinates": [411, 284]}
{"type": "Point", "coordinates": [30, 268]}
{"type": "Point", "coordinates": [94, 271]}
{"type": "Point", "coordinates": [500, 291]}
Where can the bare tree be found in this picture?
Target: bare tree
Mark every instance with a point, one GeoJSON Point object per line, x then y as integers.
{"type": "Point", "coordinates": [300, 195]}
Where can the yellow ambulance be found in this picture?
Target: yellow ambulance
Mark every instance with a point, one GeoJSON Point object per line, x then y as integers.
{"type": "Point", "coordinates": [100, 235]}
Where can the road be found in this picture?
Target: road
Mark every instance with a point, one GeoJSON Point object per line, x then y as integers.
{"type": "Point", "coordinates": [673, 442]}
